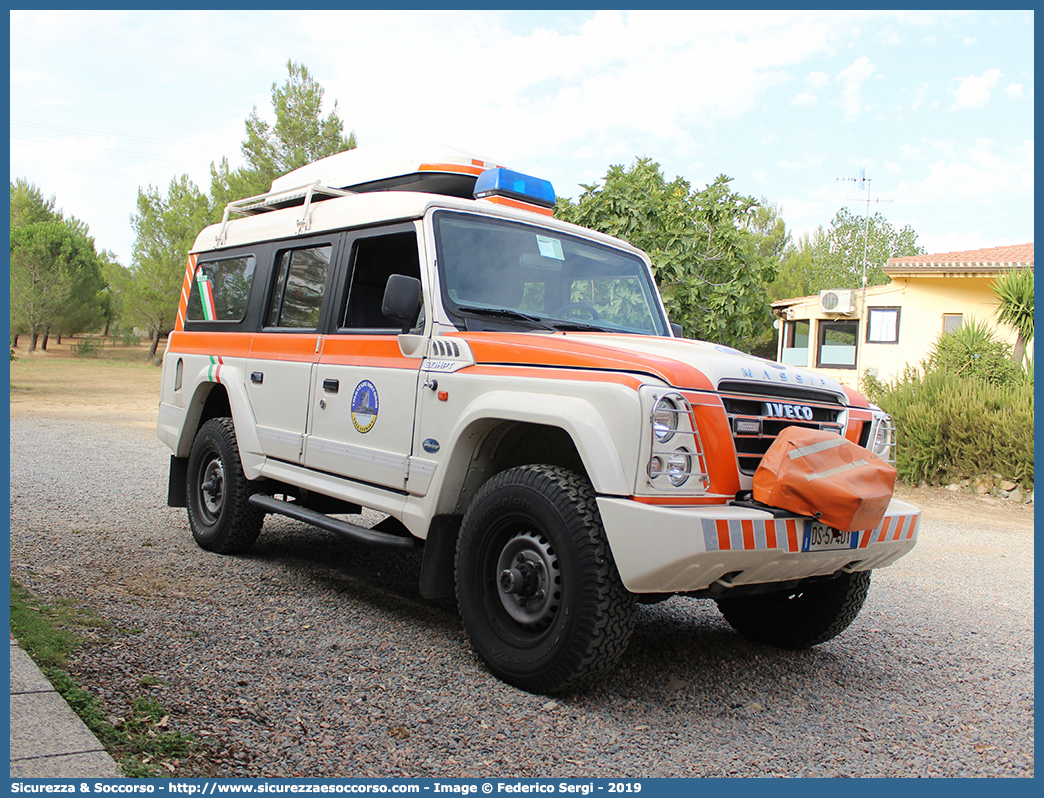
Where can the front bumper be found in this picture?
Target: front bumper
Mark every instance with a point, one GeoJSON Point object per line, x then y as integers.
{"type": "Point", "coordinates": [677, 549]}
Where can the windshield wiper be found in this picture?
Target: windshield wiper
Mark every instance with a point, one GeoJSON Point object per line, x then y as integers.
{"type": "Point", "coordinates": [506, 313]}
{"type": "Point", "coordinates": [579, 326]}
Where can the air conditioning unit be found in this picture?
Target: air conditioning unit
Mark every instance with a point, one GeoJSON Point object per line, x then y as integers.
{"type": "Point", "coordinates": [836, 301]}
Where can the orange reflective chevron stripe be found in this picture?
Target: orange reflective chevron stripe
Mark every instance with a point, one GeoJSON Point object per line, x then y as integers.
{"type": "Point", "coordinates": [748, 534]}
{"type": "Point", "coordinates": [186, 288]}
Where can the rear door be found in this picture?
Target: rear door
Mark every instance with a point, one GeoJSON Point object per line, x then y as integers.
{"type": "Point", "coordinates": [282, 357]}
{"type": "Point", "coordinates": [364, 390]}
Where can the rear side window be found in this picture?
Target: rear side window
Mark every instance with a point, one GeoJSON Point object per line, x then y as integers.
{"type": "Point", "coordinates": [220, 289]}
{"type": "Point", "coordinates": [300, 282]}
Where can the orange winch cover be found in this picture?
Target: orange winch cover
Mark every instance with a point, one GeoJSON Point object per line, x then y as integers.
{"type": "Point", "coordinates": [820, 474]}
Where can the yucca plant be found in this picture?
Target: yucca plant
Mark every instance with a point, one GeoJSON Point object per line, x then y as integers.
{"type": "Point", "coordinates": [1014, 291]}
{"type": "Point", "coordinates": [974, 350]}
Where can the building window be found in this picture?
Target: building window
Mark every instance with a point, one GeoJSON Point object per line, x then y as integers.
{"type": "Point", "coordinates": [837, 344]}
{"type": "Point", "coordinates": [882, 326]}
{"type": "Point", "coordinates": [795, 342]}
{"type": "Point", "coordinates": [952, 321]}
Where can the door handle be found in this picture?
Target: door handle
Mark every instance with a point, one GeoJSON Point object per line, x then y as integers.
{"type": "Point", "coordinates": [257, 376]}
{"type": "Point", "coordinates": [331, 385]}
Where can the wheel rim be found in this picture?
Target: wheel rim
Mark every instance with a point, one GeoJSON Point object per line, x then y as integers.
{"type": "Point", "coordinates": [212, 489]}
{"type": "Point", "coordinates": [529, 581]}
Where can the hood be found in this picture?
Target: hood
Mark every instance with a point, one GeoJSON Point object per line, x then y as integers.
{"type": "Point", "coordinates": [679, 362]}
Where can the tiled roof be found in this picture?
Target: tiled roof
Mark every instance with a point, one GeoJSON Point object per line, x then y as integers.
{"type": "Point", "coordinates": [992, 259]}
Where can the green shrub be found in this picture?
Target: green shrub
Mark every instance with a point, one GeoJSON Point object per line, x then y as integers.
{"type": "Point", "coordinates": [88, 347]}
{"type": "Point", "coordinates": [951, 427]}
{"type": "Point", "coordinates": [130, 338]}
{"type": "Point", "coordinates": [974, 350]}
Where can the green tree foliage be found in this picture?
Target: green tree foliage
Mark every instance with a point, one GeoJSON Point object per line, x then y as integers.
{"type": "Point", "coordinates": [974, 351]}
{"type": "Point", "coordinates": [165, 229]}
{"type": "Point", "coordinates": [298, 136]}
{"type": "Point", "coordinates": [1014, 292]}
{"type": "Point", "coordinates": [28, 204]}
{"type": "Point", "coordinates": [838, 256]}
{"type": "Point", "coordinates": [772, 240]}
{"type": "Point", "coordinates": [56, 281]}
{"type": "Point", "coordinates": [794, 275]}
{"type": "Point", "coordinates": [704, 254]}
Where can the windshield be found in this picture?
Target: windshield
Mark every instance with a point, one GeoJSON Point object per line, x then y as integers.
{"type": "Point", "coordinates": [499, 275]}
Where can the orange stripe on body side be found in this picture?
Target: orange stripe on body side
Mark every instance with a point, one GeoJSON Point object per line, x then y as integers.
{"type": "Point", "coordinates": [207, 343]}
{"type": "Point", "coordinates": [375, 351]}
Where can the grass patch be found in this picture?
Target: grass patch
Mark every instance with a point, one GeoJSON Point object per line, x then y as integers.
{"type": "Point", "coordinates": [141, 742]}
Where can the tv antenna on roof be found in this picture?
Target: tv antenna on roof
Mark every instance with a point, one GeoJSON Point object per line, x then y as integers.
{"type": "Point", "coordinates": [863, 180]}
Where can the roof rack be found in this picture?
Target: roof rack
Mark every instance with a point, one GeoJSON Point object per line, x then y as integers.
{"type": "Point", "coordinates": [275, 200]}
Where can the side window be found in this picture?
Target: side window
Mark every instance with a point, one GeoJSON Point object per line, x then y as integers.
{"type": "Point", "coordinates": [374, 260]}
{"type": "Point", "coordinates": [220, 289]}
{"type": "Point", "coordinates": [952, 321]}
{"type": "Point", "coordinates": [297, 291]}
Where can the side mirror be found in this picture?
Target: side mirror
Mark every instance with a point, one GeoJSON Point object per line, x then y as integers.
{"type": "Point", "coordinates": [402, 301]}
{"type": "Point", "coordinates": [676, 329]}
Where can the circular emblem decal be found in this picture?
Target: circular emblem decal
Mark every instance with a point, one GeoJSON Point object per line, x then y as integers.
{"type": "Point", "coordinates": [364, 406]}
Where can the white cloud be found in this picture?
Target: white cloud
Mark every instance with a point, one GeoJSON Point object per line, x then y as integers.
{"type": "Point", "coordinates": [975, 174]}
{"type": "Point", "coordinates": [891, 37]}
{"type": "Point", "coordinates": [974, 91]}
{"type": "Point", "coordinates": [1014, 90]}
{"type": "Point", "coordinates": [970, 40]}
{"type": "Point", "coordinates": [920, 94]}
{"type": "Point", "coordinates": [852, 79]}
{"type": "Point", "coordinates": [804, 100]}
{"type": "Point", "coordinates": [817, 80]}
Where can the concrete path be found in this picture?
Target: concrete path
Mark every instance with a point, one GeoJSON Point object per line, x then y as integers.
{"type": "Point", "coordinates": [48, 740]}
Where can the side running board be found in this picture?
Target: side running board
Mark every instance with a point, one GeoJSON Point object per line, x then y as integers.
{"type": "Point", "coordinates": [359, 534]}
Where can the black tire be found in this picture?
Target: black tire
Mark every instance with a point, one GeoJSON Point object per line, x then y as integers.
{"type": "Point", "coordinates": [801, 617]}
{"type": "Point", "coordinates": [538, 590]}
{"type": "Point", "coordinates": [217, 492]}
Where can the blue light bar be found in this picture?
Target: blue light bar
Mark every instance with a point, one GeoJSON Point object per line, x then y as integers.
{"type": "Point", "coordinates": [500, 182]}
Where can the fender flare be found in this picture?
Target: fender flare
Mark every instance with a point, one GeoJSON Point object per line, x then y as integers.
{"type": "Point", "coordinates": [232, 380]}
{"type": "Point", "coordinates": [577, 417]}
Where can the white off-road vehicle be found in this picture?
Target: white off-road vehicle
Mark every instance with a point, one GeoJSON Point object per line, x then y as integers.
{"type": "Point", "coordinates": [411, 331]}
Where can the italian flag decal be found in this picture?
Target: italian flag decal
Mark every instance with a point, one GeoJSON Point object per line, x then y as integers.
{"type": "Point", "coordinates": [206, 295]}
{"type": "Point", "coordinates": [214, 370]}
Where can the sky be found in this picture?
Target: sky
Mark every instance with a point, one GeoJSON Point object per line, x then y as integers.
{"type": "Point", "coordinates": [932, 109]}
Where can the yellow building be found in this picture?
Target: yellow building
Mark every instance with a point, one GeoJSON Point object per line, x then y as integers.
{"type": "Point", "coordinates": [880, 329]}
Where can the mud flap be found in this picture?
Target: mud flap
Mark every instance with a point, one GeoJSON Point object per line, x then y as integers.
{"type": "Point", "coordinates": [820, 474]}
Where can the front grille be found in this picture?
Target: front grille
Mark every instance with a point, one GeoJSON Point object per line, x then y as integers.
{"type": "Point", "coordinates": [757, 420]}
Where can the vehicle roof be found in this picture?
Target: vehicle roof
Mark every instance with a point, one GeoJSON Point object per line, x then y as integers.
{"type": "Point", "coordinates": [370, 209]}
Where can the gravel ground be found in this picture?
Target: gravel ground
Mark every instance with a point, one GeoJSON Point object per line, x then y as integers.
{"type": "Point", "coordinates": [317, 657]}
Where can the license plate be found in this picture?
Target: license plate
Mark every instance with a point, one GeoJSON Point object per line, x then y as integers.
{"type": "Point", "coordinates": [820, 537]}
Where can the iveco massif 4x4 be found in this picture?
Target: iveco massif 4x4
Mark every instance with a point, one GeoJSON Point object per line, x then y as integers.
{"type": "Point", "coordinates": [412, 332]}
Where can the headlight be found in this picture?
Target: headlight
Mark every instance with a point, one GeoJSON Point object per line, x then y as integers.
{"type": "Point", "coordinates": [882, 435]}
{"type": "Point", "coordinates": [674, 449]}
{"type": "Point", "coordinates": [665, 419]}
{"type": "Point", "coordinates": [679, 467]}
